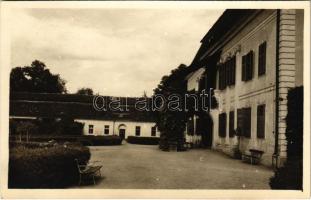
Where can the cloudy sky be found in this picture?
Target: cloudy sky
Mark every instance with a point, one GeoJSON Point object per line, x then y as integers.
{"type": "Point", "coordinates": [119, 52]}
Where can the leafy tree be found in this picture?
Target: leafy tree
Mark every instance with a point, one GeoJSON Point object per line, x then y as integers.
{"type": "Point", "coordinates": [36, 78]}
{"type": "Point", "coordinates": [26, 128]}
{"type": "Point", "coordinates": [170, 123]}
{"type": "Point", "coordinates": [85, 91]}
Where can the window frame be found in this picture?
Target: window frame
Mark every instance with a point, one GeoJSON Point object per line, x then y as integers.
{"type": "Point", "coordinates": [91, 127]}
{"type": "Point", "coordinates": [153, 131]}
{"type": "Point", "coordinates": [137, 130]}
{"type": "Point", "coordinates": [248, 66]}
{"type": "Point", "coordinates": [106, 129]}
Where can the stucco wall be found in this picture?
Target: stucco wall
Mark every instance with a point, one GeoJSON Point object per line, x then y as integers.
{"type": "Point", "coordinates": [259, 90]}
{"type": "Point", "coordinates": [99, 126]}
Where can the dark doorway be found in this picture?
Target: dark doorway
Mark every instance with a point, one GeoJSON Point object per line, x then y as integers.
{"type": "Point", "coordinates": [205, 129]}
{"type": "Point", "coordinates": [122, 133]}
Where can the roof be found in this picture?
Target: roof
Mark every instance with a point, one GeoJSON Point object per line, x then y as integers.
{"type": "Point", "coordinates": [228, 21]}
{"type": "Point", "coordinates": [77, 106]}
{"type": "Point", "coordinates": [198, 73]}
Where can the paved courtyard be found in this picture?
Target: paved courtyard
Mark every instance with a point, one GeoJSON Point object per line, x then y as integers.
{"type": "Point", "coordinates": [132, 166]}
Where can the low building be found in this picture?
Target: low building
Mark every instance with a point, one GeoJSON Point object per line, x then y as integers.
{"type": "Point", "coordinates": [252, 58]}
{"type": "Point", "coordinates": [127, 122]}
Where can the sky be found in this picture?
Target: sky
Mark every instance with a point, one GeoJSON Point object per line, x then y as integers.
{"type": "Point", "coordinates": [116, 51]}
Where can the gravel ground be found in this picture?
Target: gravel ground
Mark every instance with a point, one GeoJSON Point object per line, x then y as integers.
{"type": "Point", "coordinates": [132, 166]}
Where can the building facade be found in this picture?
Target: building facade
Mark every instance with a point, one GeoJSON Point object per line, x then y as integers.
{"type": "Point", "coordinates": [252, 64]}
{"type": "Point", "coordinates": [123, 128]}
{"type": "Point", "coordinates": [129, 122]}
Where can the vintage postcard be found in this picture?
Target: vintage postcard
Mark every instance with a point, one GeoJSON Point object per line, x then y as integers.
{"type": "Point", "coordinates": [155, 99]}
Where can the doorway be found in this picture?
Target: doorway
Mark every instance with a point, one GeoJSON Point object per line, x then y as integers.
{"type": "Point", "coordinates": [122, 131]}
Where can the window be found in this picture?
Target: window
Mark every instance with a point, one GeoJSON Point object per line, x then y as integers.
{"type": "Point", "coordinates": [227, 73]}
{"type": "Point", "coordinates": [222, 125]}
{"type": "Point", "coordinates": [106, 130]}
{"type": "Point", "coordinates": [262, 59]}
{"type": "Point", "coordinates": [261, 121]}
{"type": "Point", "coordinates": [153, 131]}
{"type": "Point", "coordinates": [231, 124]}
{"type": "Point", "coordinates": [137, 131]}
{"type": "Point", "coordinates": [91, 129]}
{"type": "Point", "coordinates": [244, 122]}
{"type": "Point", "coordinates": [247, 66]}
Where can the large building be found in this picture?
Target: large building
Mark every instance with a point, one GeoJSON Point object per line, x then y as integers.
{"type": "Point", "coordinates": [125, 122]}
{"type": "Point", "coordinates": [252, 58]}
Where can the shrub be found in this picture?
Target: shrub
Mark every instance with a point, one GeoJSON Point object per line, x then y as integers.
{"type": "Point", "coordinates": [290, 175]}
{"type": "Point", "coordinates": [48, 126]}
{"type": "Point", "coordinates": [83, 139]}
{"type": "Point", "coordinates": [143, 140]}
{"type": "Point", "coordinates": [33, 166]}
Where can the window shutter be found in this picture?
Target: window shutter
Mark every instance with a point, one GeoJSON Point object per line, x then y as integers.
{"type": "Point", "coordinates": [261, 121]}
{"type": "Point", "coordinates": [233, 70]}
{"type": "Point", "coordinates": [240, 122]}
{"type": "Point", "coordinates": [220, 81]}
{"type": "Point", "coordinates": [247, 122]}
{"type": "Point", "coordinates": [231, 124]}
{"type": "Point", "coordinates": [244, 68]}
{"type": "Point", "coordinates": [222, 125]}
{"type": "Point", "coordinates": [262, 59]}
{"type": "Point", "coordinates": [249, 66]}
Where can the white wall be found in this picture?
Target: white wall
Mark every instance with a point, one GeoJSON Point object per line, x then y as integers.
{"type": "Point", "coordinates": [99, 127]}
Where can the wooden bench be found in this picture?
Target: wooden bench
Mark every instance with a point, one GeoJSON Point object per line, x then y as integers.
{"type": "Point", "coordinates": [254, 157]}
{"type": "Point", "coordinates": [88, 171]}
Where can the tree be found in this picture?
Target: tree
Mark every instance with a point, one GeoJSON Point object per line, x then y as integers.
{"type": "Point", "coordinates": [25, 128]}
{"type": "Point", "coordinates": [36, 78]}
{"type": "Point", "coordinates": [85, 91]}
{"type": "Point", "coordinates": [170, 123]}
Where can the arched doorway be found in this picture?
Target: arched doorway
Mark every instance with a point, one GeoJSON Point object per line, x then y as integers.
{"type": "Point", "coordinates": [205, 129]}
{"type": "Point", "coordinates": [122, 131]}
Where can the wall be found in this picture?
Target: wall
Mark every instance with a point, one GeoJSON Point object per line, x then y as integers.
{"type": "Point", "coordinates": [259, 90]}
{"type": "Point", "coordinates": [99, 126]}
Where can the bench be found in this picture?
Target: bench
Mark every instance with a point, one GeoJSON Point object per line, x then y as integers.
{"type": "Point", "coordinates": [254, 157]}
{"type": "Point", "coordinates": [88, 171]}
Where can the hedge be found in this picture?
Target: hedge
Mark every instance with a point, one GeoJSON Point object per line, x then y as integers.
{"type": "Point", "coordinates": [89, 140]}
{"type": "Point", "coordinates": [34, 166]}
{"type": "Point", "coordinates": [143, 140]}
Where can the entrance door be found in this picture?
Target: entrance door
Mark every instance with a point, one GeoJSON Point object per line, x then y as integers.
{"type": "Point", "coordinates": [122, 133]}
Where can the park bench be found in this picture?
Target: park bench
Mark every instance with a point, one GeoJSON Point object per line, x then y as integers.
{"type": "Point", "coordinates": [254, 157]}
{"type": "Point", "coordinates": [88, 171]}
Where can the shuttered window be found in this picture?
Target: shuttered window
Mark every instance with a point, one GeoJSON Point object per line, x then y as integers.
{"type": "Point", "coordinates": [262, 59]}
{"type": "Point", "coordinates": [247, 66]}
{"type": "Point", "coordinates": [222, 125]}
{"type": "Point", "coordinates": [231, 124]}
{"type": "Point", "coordinates": [244, 122]}
{"type": "Point", "coordinates": [261, 109]}
{"type": "Point", "coordinates": [227, 73]}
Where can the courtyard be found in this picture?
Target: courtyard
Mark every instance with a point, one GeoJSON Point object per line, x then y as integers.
{"type": "Point", "coordinates": [131, 166]}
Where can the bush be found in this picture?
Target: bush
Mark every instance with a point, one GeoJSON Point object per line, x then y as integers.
{"type": "Point", "coordinates": [143, 140]}
{"type": "Point", "coordinates": [100, 140]}
{"type": "Point", "coordinates": [35, 166]}
{"type": "Point", "coordinates": [48, 126]}
{"type": "Point", "coordinates": [290, 175]}
{"type": "Point", "coordinates": [88, 140]}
